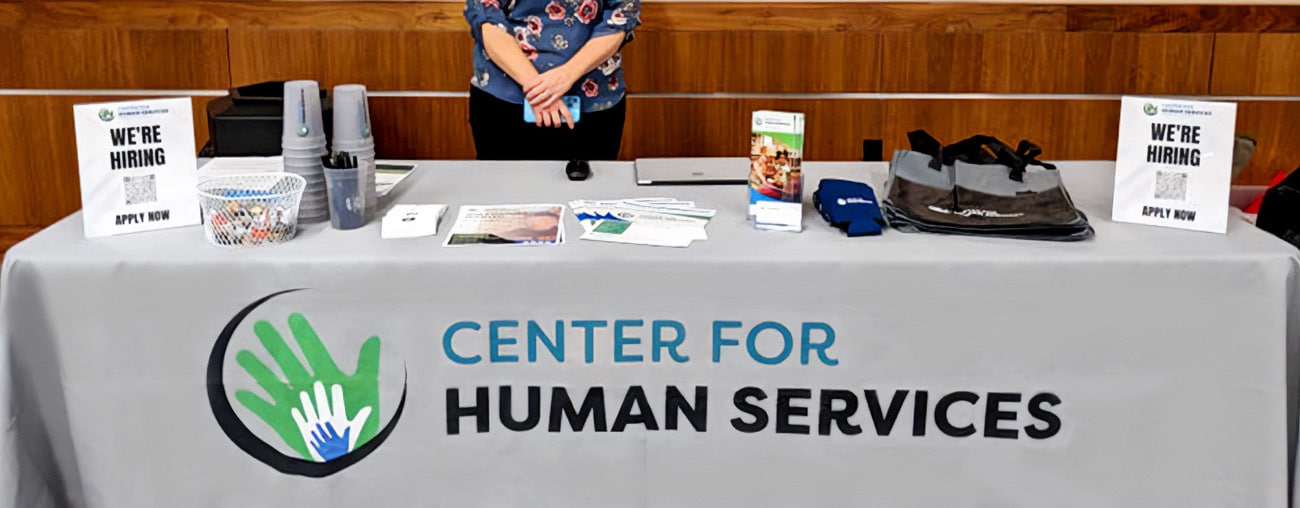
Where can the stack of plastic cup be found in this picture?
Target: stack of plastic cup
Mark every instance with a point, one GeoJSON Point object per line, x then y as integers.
{"type": "Point", "coordinates": [352, 135]}
{"type": "Point", "coordinates": [303, 144]}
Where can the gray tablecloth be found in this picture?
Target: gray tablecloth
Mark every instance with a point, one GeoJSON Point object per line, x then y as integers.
{"type": "Point", "coordinates": [1147, 367]}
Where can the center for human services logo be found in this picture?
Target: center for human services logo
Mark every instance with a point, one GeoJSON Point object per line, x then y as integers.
{"type": "Point", "coordinates": [1150, 109]}
{"type": "Point", "coordinates": [309, 416]}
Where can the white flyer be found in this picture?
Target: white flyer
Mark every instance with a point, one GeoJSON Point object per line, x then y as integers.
{"type": "Point", "coordinates": [138, 166]}
{"type": "Point", "coordinates": [1174, 164]}
{"type": "Point", "coordinates": [638, 234]}
{"type": "Point", "coordinates": [593, 216]}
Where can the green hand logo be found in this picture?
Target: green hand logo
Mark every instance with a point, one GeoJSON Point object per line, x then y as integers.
{"type": "Point", "coordinates": [357, 393]}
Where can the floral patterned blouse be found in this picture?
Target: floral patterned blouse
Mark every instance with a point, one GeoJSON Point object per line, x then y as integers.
{"type": "Point", "coordinates": [550, 32]}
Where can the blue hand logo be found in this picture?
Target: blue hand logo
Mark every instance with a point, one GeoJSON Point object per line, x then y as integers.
{"type": "Point", "coordinates": [328, 443]}
{"type": "Point", "coordinates": [320, 422]}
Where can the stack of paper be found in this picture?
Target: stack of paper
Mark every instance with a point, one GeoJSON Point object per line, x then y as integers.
{"type": "Point", "coordinates": [508, 225]}
{"type": "Point", "coordinates": [387, 176]}
{"type": "Point", "coordinates": [663, 222]}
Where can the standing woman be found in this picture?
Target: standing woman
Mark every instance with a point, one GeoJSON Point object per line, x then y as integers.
{"type": "Point", "coordinates": [537, 52]}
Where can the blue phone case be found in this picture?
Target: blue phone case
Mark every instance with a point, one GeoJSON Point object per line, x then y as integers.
{"type": "Point", "coordinates": [572, 101]}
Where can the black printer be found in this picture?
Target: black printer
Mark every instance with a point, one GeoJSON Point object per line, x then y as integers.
{"type": "Point", "coordinates": [248, 121]}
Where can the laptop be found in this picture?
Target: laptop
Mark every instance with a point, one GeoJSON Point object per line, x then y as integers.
{"type": "Point", "coordinates": [697, 171]}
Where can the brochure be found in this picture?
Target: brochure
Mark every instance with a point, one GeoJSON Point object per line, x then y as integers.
{"type": "Point", "coordinates": [644, 221]}
{"type": "Point", "coordinates": [776, 160]}
{"type": "Point", "coordinates": [776, 157]}
{"type": "Point", "coordinates": [541, 224]}
{"type": "Point", "coordinates": [411, 221]}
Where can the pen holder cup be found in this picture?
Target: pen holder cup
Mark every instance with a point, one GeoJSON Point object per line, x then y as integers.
{"type": "Point", "coordinates": [347, 197]}
{"type": "Point", "coordinates": [241, 211]}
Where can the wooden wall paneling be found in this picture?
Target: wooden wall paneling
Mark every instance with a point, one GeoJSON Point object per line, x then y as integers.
{"type": "Point", "coordinates": [1257, 64]}
{"type": "Point", "coordinates": [381, 59]}
{"type": "Point", "coordinates": [753, 61]}
{"type": "Point", "coordinates": [1183, 18]}
{"type": "Point", "coordinates": [1272, 124]}
{"type": "Point", "coordinates": [11, 235]}
{"type": "Point", "coordinates": [1065, 129]}
{"type": "Point", "coordinates": [799, 16]}
{"type": "Point", "coordinates": [10, 70]}
{"type": "Point", "coordinates": [1011, 62]}
{"type": "Point", "coordinates": [39, 181]}
{"type": "Point", "coordinates": [106, 57]}
{"type": "Point", "coordinates": [680, 127]}
{"type": "Point", "coordinates": [421, 127]}
{"type": "Point", "coordinates": [1046, 62]}
{"type": "Point", "coordinates": [438, 127]}
{"type": "Point", "coordinates": [1139, 63]}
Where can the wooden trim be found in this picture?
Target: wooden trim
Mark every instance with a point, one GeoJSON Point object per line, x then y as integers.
{"type": "Point", "coordinates": [664, 16]}
{"type": "Point", "coordinates": [708, 17]}
{"type": "Point", "coordinates": [226, 14]}
{"type": "Point", "coordinates": [1184, 18]}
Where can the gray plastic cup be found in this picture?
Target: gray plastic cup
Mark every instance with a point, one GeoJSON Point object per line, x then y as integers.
{"type": "Point", "coordinates": [351, 116]}
{"type": "Point", "coordinates": [314, 151]}
{"type": "Point", "coordinates": [346, 198]}
{"type": "Point", "coordinates": [304, 127]}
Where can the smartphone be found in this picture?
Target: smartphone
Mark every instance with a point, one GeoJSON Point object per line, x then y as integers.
{"type": "Point", "coordinates": [572, 101]}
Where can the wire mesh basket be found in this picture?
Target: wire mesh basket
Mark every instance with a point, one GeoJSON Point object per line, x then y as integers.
{"type": "Point", "coordinates": [241, 211]}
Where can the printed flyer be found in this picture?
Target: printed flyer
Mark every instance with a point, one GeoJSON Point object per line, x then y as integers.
{"type": "Point", "coordinates": [509, 225]}
{"type": "Point", "coordinates": [1174, 166]}
{"type": "Point", "coordinates": [138, 166]}
{"type": "Point", "coordinates": [776, 158]}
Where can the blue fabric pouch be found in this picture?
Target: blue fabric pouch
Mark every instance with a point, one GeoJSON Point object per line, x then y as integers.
{"type": "Point", "coordinates": [850, 206]}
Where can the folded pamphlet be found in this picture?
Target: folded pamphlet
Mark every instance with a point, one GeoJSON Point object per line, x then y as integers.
{"type": "Point", "coordinates": [411, 221]}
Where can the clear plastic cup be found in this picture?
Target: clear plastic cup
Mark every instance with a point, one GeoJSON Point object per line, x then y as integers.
{"type": "Point", "coordinates": [347, 199]}
{"type": "Point", "coordinates": [358, 153]}
{"type": "Point", "coordinates": [351, 116]}
{"type": "Point", "coordinates": [304, 126]}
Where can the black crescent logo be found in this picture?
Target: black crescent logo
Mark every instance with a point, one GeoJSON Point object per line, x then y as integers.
{"type": "Point", "coordinates": [254, 446]}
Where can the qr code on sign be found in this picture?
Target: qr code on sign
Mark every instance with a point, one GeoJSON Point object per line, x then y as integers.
{"type": "Point", "coordinates": [1170, 185]}
{"type": "Point", "coordinates": [140, 189]}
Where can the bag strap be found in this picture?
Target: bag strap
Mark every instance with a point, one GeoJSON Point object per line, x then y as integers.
{"type": "Point", "coordinates": [1028, 154]}
{"type": "Point", "coordinates": [923, 142]}
{"type": "Point", "coordinates": [979, 149]}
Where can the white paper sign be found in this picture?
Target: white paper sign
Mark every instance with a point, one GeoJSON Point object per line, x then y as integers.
{"type": "Point", "coordinates": [138, 166]}
{"type": "Point", "coordinates": [1174, 166]}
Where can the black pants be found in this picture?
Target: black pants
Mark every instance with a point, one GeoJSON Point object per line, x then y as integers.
{"type": "Point", "coordinates": [500, 133]}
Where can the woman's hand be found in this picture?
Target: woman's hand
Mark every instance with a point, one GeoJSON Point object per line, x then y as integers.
{"type": "Point", "coordinates": [549, 87]}
{"type": "Point", "coordinates": [555, 115]}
